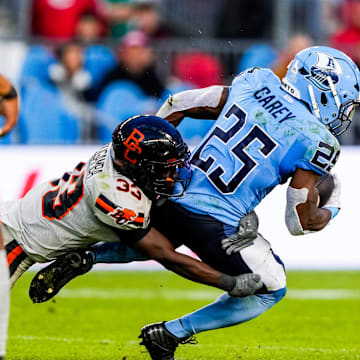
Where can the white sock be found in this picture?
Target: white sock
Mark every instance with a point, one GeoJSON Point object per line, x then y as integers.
{"type": "Point", "coordinates": [4, 301]}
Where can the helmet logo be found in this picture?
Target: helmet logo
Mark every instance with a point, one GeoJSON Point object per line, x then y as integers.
{"type": "Point", "coordinates": [132, 144]}
{"type": "Point", "coordinates": [324, 67]}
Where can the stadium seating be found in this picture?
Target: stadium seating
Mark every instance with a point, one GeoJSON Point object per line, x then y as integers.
{"type": "Point", "coordinates": [261, 55]}
{"type": "Point", "coordinates": [36, 63]}
{"type": "Point", "coordinates": [193, 130]}
{"type": "Point", "coordinates": [119, 101]}
{"type": "Point", "coordinates": [98, 61]}
{"type": "Point", "coordinates": [45, 120]}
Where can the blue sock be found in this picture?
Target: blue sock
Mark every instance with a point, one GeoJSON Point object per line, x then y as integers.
{"type": "Point", "coordinates": [224, 311]}
{"type": "Point", "coordinates": [115, 252]}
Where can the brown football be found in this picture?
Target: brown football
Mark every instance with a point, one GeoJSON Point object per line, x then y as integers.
{"type": "Point", "coordinates": [325, 186]}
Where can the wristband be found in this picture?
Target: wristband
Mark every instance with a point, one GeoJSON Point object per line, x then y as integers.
{"type": "Point", "coordinates": [12, 94]}
{"type": "Point", "coordinates": [334, 210]}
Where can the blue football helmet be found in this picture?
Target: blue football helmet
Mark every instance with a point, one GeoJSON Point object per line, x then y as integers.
{"type": "Point", "coordinates": [328, 82]}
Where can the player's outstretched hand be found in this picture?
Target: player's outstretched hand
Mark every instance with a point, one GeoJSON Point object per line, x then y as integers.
{"type": "Point", "coordinates": [244, 237]}
{"type": "Point", "coordinates": [246, 284]}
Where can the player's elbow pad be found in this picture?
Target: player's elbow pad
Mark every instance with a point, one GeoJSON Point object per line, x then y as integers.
{"type": "Point", "coordinates": [205, 97]}
{"type": "Point", "coordinates": [294, 197]}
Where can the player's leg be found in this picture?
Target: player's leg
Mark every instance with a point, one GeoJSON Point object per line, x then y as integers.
{"type": "Point", "coordinates": [18, 260]}
{"type": "Point", "coordinates": [4, 297]}
{"type": "Point", "coordinates": [162, 339]}
{"type": "Point", "coordinates": [115, 252]}
{"type": "Point", "coordinates": [226, 310]}
{"type": "Point", "coordinates": [52, 278]}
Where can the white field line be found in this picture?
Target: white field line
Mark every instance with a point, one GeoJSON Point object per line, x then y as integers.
{"type": "Point", "coordinates": [61, 339]}
{"type": "Point", "coordinates": [170, 294]}
{"type": "Point", "coordinates": [240, 347]}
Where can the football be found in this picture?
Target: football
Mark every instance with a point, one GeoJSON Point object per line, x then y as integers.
{"type": "Point", "coordinates": [325, 186]}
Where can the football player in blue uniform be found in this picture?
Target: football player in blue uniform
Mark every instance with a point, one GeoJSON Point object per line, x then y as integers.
{"type": "Point", "coordinates": [266, 132]}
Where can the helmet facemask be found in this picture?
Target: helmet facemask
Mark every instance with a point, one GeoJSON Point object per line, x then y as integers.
{"type": "Point", "coordinates": [171, 178]}
{"type": "Point", "coordinates": [159, 179]}
{"type": "Point", "coordinates": [343, 118]}
{"type": "Point", "coordinates": [327, 82]}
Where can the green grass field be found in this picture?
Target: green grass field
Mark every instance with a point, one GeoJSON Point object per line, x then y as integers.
{"type": "Point", "coordinates": [99, 316]}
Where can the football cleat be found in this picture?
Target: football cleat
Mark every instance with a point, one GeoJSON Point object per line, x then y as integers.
{"type": "Point", "coordinates": [160, 343]}
{"type": "Point", "coordinates": [49, 280]}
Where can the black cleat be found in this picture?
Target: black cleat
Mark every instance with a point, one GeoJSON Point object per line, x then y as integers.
{"type": "Point", "coordinates": [160, 343]}
{"type": "Point", "coordinates": [49, 280]}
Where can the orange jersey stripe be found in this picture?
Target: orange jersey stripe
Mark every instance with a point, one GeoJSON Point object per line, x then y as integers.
{"type": "Point", "coordinates": [104, 205]}
{"type": "Point", "coordinates": [11, 256]}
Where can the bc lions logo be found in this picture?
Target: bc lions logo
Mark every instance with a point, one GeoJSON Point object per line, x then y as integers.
{"type": "Point", "coordinates": [132, 144]}
{"type": "Point", "coordinates": [123, 216]}
{"type": "Point", "coordinates": [325, 66]}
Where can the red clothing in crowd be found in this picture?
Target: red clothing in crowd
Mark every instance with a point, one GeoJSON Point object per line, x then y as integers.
{"type": "Point", "coordinates": [58, 18]}
{"type": "Point", "coordinates": [348, 41]}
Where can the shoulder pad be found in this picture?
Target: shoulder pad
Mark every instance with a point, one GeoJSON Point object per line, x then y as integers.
{"type": "Point", "coordinates": [118, 202]}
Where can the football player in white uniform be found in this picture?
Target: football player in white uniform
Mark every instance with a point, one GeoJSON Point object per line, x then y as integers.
{"type": "Point", "coordinates": [109, 199]}
{"type": "Point", "coordinates": [9, 108]}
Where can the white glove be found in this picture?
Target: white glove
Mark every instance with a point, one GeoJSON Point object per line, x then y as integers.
{"type": "Point", "coordinates": [334, 199]}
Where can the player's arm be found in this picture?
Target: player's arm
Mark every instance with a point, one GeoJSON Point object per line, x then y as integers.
{"type": "Point", "coordinates": [302, 212]}
{"type": "Point", "coordinates": [156, 246]}
{"type": "Point", "coordinates": [206, 103]}
{"type": "Point", "coordinates": [9, 105]}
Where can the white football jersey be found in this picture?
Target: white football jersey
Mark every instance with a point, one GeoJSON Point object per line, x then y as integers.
{"type": "Point", "coordinates": [77, 210]}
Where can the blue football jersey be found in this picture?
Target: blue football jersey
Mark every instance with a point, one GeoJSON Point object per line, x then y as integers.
{"type": "Point", "coordinates": [261, 136]}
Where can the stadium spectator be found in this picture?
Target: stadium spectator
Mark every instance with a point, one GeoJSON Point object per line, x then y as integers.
{"type": "Point", "coordinates": [136, 64]}
{"type": "Point", "coordinates": [347, 38]}
{"type": "Point", "coordinates": [88, 29]}
{"type": "Point", "coordinates": [9, 107]}
{"type": "Point", "coordinates": [69, 73]}
{"type": "Point", "coordinates": [120, 13]}
{"type": "Point", "coordinates": [57, 19]}
{"type": "Point", "coordinates": [73, 81]}
{"type": "Point", "coordinates": [198, 68]}
{"type": "Point", "coordinates": [98, 58]}
{"type": "Point", "coordinates": [296, 43]}
{"type": "Point", "coordinates": [147, 18]}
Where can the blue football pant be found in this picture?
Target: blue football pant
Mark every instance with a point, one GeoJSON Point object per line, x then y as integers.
{"type": "Point", "coordinates": [203, 235]}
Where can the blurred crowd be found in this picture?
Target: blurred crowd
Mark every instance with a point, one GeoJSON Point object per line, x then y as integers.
{"type": "Point", "coordinates": [84, 65]}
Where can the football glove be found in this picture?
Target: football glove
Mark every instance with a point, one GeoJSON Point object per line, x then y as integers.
{"type": "Point", "coordinates": [244, 237]}
{"type": "Point", "coordinates": [246, 284]}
